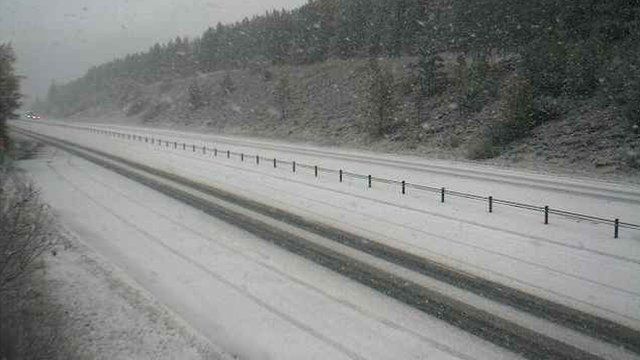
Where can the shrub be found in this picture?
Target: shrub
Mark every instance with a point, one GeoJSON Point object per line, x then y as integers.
{"type": "Point", "coordinates": [476, 84]}
{"type": "Point", "coordinates": [136, 108]}
{"type": "Point", "coordinates": [482, 148]}
{"type": "Point", "coordinates": [380, 103]}
{"type": "Point", "coordinates": [515, 120]}
{"type": "Point", "coordinates": [516, 116]}
{"type": "Point", "coordinates": [546, 108]}
{"type": "Point", "coordinates": [155, 111]}
{"type": "Point", "coordinates": [196, 96]}
{"type": "Point", "coordinates": [557, 67]}
{"type": "Point", "coordinates": [631, 157]}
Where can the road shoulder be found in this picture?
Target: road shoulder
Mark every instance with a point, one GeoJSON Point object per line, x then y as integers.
{"type": "Point", "coordinates": [105, 314]}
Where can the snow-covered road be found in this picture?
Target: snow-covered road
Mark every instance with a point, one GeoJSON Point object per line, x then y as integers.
{"type": "Point", "coordinates": [577, 264]}
{"type": "Point", "coordinates": [251, 298]}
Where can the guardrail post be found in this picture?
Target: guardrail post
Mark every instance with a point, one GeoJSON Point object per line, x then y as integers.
{"type": "Point", "coordinates": [315, 169]}
{"type": "Point", "coordinates": [369, 181]}
{"type": "Point", "coordinates": [340, 175]}
{"type": "Point", "coordinates": [175, 144]}
{"type": "Point", "coordinates": [215, 152]}
{"type": "Point", "coordinates": [257, 159]}
{"type": "Point", "coordinates": [204, 150]}
{"type": "Point", "coordinates": [228, 154]}
{"type": "Point", "coordinates": [275, 163]}
{"type": "Point", "coordinates": [184, 146]}
{"type": "Point", "coordinates": [293, 166]}
{"type": "Point", "coordinates": [442, 194]}
{"type": "Point", "coordinates": [194, 148]}
{"type": "Point", "coordinates": [546, 215]}
{"type": "Point", "coordinates": [490, 204]}
{"type": "Point", "coordinates": [616, 226]}
{"type": "Point", "coordinates": [241, 156]}
{"type": "Point", "coordinates": [404, 187]}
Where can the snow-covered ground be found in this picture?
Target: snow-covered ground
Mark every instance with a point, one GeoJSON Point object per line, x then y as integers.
{"type": "Point", "coordinates": [575, 263]}
{"type": "Point", "coordinates": [247, 296]}
{"type": "Point", "coordinates": [109, 316]}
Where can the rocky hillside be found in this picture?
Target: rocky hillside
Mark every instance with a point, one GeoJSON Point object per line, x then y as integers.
{"type": "Point", "coordinates": [330, 103]}
{"type": "Point", "coordinates": [543, 83]}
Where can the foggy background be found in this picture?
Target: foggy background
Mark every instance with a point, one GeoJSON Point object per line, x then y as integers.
{"type": "Point", "coordinates": [60, 39]}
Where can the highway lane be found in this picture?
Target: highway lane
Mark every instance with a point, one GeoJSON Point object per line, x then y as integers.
{"type": "Point", "coordinates": [573, 263]}
{"type": "Point", "coordinates": [251, 298]}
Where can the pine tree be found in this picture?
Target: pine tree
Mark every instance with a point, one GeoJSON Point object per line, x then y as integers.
{"type": "Point", "coordinates": [380, 105]}
{"type": "Point", "coordinates": [282, 94]}
{"type": "Point", "coordinates": [9, 92]}
{"type": "Point", "coordinates": [429, 64]}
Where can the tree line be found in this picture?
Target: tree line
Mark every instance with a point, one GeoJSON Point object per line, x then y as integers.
{"type": "Point", "coordinates": [564, 47]}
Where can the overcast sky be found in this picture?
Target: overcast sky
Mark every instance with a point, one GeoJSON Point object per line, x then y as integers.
{"type": "Point", "coordinates": [61, 39]}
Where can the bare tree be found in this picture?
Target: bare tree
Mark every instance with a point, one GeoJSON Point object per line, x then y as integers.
{"type": "Point", "coordinates": [25, 228]}
{"type": "Point", "coordinates": [30, 325]}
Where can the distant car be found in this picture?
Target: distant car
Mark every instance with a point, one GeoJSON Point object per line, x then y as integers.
{"type": "Point", "coordinates": [31, 115]}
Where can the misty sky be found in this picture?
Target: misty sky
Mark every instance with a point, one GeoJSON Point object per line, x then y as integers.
{"type": "Point", "coordinates": [61, 39]}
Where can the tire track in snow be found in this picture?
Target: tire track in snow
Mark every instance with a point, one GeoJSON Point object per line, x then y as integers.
{"type": "Point", "coordinates": [461, 243]}
{"type": "Point", "coordinates": [303, 327]}
{"type": "Point", "coordinates": [425, 212]}
{"type": "Point", "coordinates": [358, 309]}
{"type": "Point", "coordinates": [508, 335]}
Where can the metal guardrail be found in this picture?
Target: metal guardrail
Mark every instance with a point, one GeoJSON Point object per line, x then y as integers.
{"type": "Point", "coordinates": [442, 191]}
